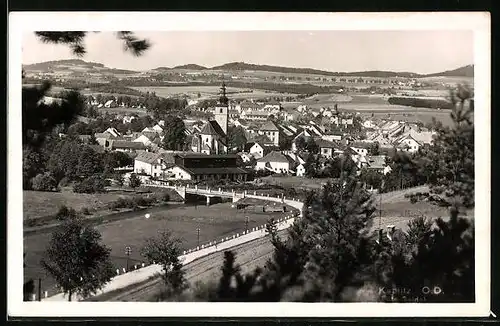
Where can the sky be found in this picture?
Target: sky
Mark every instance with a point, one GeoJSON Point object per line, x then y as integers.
{"type": "Point", "coordinates": [344, 51]}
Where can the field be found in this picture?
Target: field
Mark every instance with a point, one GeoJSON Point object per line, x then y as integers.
{"type": "Point", "coordinates": [216, 221]}
{"type": "Point", "coordinates": [207, 92]}
{"type": "Point", "coordinates": [40, 203]}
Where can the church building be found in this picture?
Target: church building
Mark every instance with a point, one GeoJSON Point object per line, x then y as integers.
{"type": "Point", "coordinates": [212, 139]}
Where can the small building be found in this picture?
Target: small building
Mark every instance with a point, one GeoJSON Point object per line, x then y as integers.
{"type": "Point", "coordinates": [199, 167]}
{"type": "Point", "coordinates": [271, 131]}
{"type": "Point", "coordinates": [326, 148]}
{"type": "Point", "coordinates": [261, 149]}
{"type": "Point", "coordinates": [276, 162]}
{"type": "Point", "coordinates": [378, 164]}
{"type": "Point", "coordinates": [300, 171]}
{"type": "Point", "coordinates": [126, 146]}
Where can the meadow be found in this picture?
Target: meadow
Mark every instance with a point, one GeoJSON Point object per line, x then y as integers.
{"type": "Point", "coordinates": [215, 222]}
{"type": "Point", "coordinates": [42, 203]}
{"type": "Point", "coordinates": [209, 92]}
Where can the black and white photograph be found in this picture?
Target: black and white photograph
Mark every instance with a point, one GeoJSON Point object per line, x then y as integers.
{"type": "Point", "coordinates": [250, 158]}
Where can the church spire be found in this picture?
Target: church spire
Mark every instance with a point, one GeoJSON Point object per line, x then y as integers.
{"type": "Point", "coordinates": [223, 98]}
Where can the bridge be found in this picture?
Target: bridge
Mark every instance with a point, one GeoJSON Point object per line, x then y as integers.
{"type": "Point", "coordinates": [221, 193]}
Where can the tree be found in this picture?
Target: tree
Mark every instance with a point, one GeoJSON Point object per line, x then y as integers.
{"type": "Point", "coordinates": [451, 155]}
{"type": "Point", "coordinates": [300, 144]}
{"type": "Point", "coordinates": [311, 146]}
{"type": "Point", "coordinates": [134, 181]}
{"type": "Point", "coordinates": [165, 250]}
{"type": "Point", "coordinates": [236, 137]}
{"type": "Point", "coordinates": [284, 143]}
{"type": "Point", "coordinates": [32, 165]}
{"type": "Point", "coordinates": [77, 260]}
{"type": "Point", "coordinates": [44, 182]}
{"type": "Point", "coordinates": [91, 185]}
{"type": "Point", "coordinates": [65, 213]}
{"type": "Point", "coordinates": [311, 166]}
{"type": "Point", "coordinates": [75, 41]}
{"type": "Point", "coordinates": [175, 133]}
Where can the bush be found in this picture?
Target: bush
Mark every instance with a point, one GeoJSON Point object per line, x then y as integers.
{"type": "Point", "coordinates": [64, 182]}
{"type": "Point", "coordinates": [85, 211]}
{"type": "Point", "coordinates": [165, 197]}
{"type": "Point", "coordinates": [44, 182]}
{"type": "Point", "coordinates": [66, 213]}
{"type": "Point", "coordinates": [144, 201]}
{"type": "Point", "coordinates": [90, 185]}
{"type": "Point", "coordinates": [134, 181]}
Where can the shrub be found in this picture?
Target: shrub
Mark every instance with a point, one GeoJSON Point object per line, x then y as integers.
{"type": "Point", "coordinates": [144, 201]}
{"type": "Point", "coordinates": [134, 181]}
{"type": "Point", "coordinates": [44, 182]}
{"type": "Point", "coordinates": [66, 213]}
{"type": "Point", "coordinates": [85, 211]}
{"type": "Point", "coordinates": [90, 185]}
{"type": "Point", "coordinates": [64, 182]}
{"type": "Point", "coordinates": [165, 197]}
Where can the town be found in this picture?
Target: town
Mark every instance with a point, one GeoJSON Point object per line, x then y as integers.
{"type": "Point", "coordinates": [245, 182]}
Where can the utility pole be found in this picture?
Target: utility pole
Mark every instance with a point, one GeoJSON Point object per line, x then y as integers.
{"type": "Point", "coordinates": [246, 224]}
{"type": "Point", "coordinates": [39, 289]}
{"type": "Point", "coordinates": [198, 232]}
{"type": "Point", "coordinates": [128, 250]}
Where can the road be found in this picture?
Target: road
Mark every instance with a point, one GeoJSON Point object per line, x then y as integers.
{"type": "Point", "coordinates": [248, 256]}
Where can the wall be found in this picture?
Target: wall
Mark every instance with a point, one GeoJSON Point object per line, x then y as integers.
{"type": "Point", "coordinates": [139, 165]}
{"type": "Point", "coordinates": [180, 174]}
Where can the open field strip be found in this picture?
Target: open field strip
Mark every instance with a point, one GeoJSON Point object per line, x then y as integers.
{"type": "Point", "coordinates": [143, 274]}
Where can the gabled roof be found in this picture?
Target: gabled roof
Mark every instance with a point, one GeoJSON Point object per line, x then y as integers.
{"type": "Point", "coordinates": [212, 128]}
{"type": "Point", "coordinates": [269, 126]}
{"type": "Point", "coordinates": [127, 144]}
{"type": "Point", "coordinates": [148, 157]}
{"type": "Point", "coordinates": [376, 161]}
{"type": "Point", "coordinates": [322, 143]}
{"type": "Point", "coordinates": [261, 139]}
{"type": "Point", "coordinates": [276, 156]}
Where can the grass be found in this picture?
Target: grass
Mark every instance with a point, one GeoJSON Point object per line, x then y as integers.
{"type": "Point", "coordinates": [214, 222]}
{"type": "Point", "coordinates": [39, 203]}
{"type": "Point", "coordinates": [293, 182]}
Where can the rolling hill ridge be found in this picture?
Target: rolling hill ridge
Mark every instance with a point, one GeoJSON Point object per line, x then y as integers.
{"type": "Point", "coordinates": [84, 66]}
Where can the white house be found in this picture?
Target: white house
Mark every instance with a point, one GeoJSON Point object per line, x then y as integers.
{"type": "Point", "coordinates": [261, 149]}
{"type": "Point", "coordinates": [331, 138]}
{"type": "Point", "coordinates": [271, 131]}
{"type": "Point", "coordinates": [377, 163]}
{"type": "Point", "coordinates": [300, 170]}
{"type": "Point", "coordinates": [275, 162]}
{"type": "Point", "coordinates": [158, 128]}
{"type": "Point", "coordinates": [369, 124]}
{"type": "Point", "coordinates": [153, 164]}
{"type": "Point", "coordinates": [180, 173]}
{"type": "Point", "coordinates": [326, 148]}
{"type": "Point", "coordinates": [113, 132]}
{"type": "Point", "coordinates": [359, 150]}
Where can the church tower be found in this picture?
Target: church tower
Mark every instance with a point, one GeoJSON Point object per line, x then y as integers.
{"type": "Point", "coordinates": [222, 110]}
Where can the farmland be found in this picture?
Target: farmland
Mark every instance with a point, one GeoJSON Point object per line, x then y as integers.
{"type": "Point", "coordinates": [209, 92]}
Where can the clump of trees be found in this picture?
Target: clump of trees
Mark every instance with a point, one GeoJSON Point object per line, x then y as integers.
{"type": "Point", "coordinates": [175, 134]}
{"type": "Point", "coordinates": [77, 260]}
{"type": "Point", "coordinates": [420, 102]}
{"type": "Point", "coordinates": [165, 250]}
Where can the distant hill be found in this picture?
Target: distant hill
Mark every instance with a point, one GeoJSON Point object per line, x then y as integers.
{"type": "Point", "coordinates": [465, 71]}
{"type": "Point", "coordinates": [75, 65]}
{"type": "Point", "coordinates": [79, 66]}
{"type": "Point", "coordinates": [310, 71]}
{"type": "Point", "coordinates": [191, 66]}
